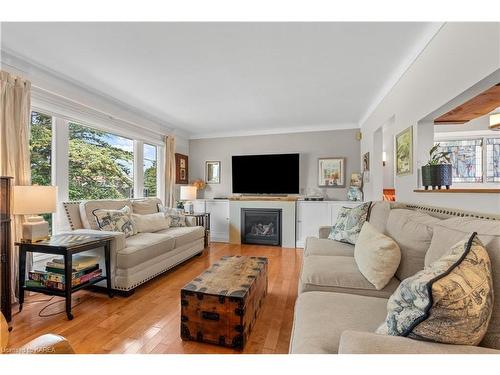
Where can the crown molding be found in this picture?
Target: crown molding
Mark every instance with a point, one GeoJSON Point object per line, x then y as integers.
{"type": "Point", "coordinates": [416, 51]}
{"type": "Point", "coordinates": [268, 131]}
{"type": "Point", "coordinates": [50, 86]}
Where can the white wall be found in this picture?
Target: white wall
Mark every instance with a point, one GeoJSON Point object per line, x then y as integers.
{"type": "Point", "coordinates": [458, 57]}
{"type": "Point", "coordinates": [311, 146]}
{"type": "Point", "coordinates": [388, 148]}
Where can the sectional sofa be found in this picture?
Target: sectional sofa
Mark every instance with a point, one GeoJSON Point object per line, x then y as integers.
{"type": "Point", "coordinates": [338, 310]}
{"type": "Point", "coordinates": [139, 258]}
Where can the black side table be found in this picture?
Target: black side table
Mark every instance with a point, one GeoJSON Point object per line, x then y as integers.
{"type": "Point", "coordinates": [203, 220]}
{"type": "Point", "coordinates": [66, 245]}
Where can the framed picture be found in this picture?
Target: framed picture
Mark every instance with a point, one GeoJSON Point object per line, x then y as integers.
{"type": "Point", "coordinates": [331, 172]}
{"type": "Point", "coordinates": [181, 169]}
{"type": "Point", "coordinates": [404, 152]}
{"type": "Point", "coordinates": [212, 172]}
{"type": "Point", "coordinates": [366, 162]}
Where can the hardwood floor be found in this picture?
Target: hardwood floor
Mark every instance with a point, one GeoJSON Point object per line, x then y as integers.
{"type": "Point", "coordinates": [149, 320]}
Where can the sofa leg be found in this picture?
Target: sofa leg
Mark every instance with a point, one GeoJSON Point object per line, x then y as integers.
{"type": "Point", "coordinates": [199, 254]}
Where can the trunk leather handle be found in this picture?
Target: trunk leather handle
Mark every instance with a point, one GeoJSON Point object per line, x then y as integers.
{"type": "Point", "coordinates": [209, 315]}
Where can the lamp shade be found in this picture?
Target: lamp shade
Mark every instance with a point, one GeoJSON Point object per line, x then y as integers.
{"type": "Point", "coordinates": [495, 121]}
{"type": "Point", "coordinates": [188, 193]}
{"type": "Point", "coordinates": [31, 200]}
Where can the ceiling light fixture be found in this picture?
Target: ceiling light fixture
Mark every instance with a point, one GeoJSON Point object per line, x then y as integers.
{"type": "Point", "coordinates": [495, 121]}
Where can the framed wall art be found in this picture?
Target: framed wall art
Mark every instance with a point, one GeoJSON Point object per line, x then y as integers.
{"type": "Point", "coordinates": [181, 169]}
{"type": "Point", "coordinates": [212, 172]}
{"type": "Point", "coordinates": [331, 172]}
{"type": "Point", "coordinates": [404, 152]}
{"type": "Point", "coordinates": [366, 162]}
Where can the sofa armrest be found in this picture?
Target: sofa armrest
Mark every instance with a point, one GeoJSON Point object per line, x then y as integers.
{"type": "Point", "coordinates": [191, 221]}
{"type": "Point", "coordinates": [324, 231]}
{"type": "Point", "coordinates": [354, 342]}
{"type": "Point", "coordinates": [47, 344]}
{"type": "Point", "coordinates": [117, 243]}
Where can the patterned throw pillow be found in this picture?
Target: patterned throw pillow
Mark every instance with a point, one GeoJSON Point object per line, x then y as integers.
{"type": "Point", "coordinates": [349, 223]}
{"type": "Point", "coordinates": [176, 220]}
{"type": "Point", "coordinates": [115, 220]}
{"type": "Point", "coordinates": [450, 301]}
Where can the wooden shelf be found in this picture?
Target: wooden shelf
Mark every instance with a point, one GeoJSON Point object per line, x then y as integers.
{"type": "Point", "coordinates": [458, 190]}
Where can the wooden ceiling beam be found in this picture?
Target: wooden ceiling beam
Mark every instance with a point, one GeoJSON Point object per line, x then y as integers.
{"type": "Point", "coordinates": [478, 106]}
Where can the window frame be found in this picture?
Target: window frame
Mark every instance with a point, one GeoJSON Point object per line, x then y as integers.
{"type": "Point", "coordinates": [484, 162]}
{"type": "Point", "coordinates": [144, 144]}
{"type": "Point", "coordinates": [98, 121]}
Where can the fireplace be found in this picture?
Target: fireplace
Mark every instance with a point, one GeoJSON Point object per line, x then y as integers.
{"type": "Point", "coordinates": [261, 226]}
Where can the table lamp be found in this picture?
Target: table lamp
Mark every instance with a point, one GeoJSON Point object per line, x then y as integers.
{"type": "Point", "coordinates": [34, 200]}
{"type": "Point", "coordinates": [188, 194]}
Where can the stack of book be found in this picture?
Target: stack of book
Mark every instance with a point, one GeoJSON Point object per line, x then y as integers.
{"type": "Point", "coordinates": [85, 269]}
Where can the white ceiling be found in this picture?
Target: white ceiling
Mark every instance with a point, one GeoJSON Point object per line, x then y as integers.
{"type": "Point", "coordinates": [224, 78]}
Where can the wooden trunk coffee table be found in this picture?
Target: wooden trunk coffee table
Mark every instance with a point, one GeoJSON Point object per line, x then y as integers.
{"type": "Point", "coordinates": [220, 306]}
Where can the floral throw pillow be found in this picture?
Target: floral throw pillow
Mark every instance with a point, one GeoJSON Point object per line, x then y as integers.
{"type": "Point", "coordinates": [349, 223]}
{"type": "Point", "coordinates": [450, 301]}
{"type": "Point", "coordinates": [115, 220]}
{"type": "Point", "coordinates": [176, 220]}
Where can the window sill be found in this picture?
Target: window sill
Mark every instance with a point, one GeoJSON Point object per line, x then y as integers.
{"type": "Point", "coordinates": [460, 190]}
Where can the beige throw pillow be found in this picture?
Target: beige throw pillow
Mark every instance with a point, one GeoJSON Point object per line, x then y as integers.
{"type": "Point", "coordinates": [376, 255]}
{"type": "Point", "coordinates": [150, 223]}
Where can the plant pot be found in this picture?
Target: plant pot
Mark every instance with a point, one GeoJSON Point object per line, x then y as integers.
{"type": "Point", "coordinates": [426, 177]}
{"type": "Point", "coordinates": [441, 175]}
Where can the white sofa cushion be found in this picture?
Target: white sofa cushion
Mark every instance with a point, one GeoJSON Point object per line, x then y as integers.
{"type": "Point", "coordinates": [320, 318]}
{"type": "Point", "coordinates": [355, 342]}
{"type": "Point", "coordinates": [324, 246]}
{"type": "Point", "coordinates": [145, 206]}
{"type": "Point", "coordinates": [339, 274]}
{"type": "Point", "coordinates": [143, 247]}
{"type": "Point", "coordinates": [184, 235]}
{"type": "Point", "coordinates": [376, 255]}
{"type": "Point", "coordinates": [149, 223]}
{"type": "Point", "coordinates": [412, 230]}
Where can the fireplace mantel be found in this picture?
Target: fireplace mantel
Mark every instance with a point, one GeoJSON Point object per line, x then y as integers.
{"type": "Point", "coordinates": [264, 198]}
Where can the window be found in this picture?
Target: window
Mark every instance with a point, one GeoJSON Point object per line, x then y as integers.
{"type": "Point", "coordinates": [100, 164]}
{"type": "Point", "coordinates": [41, 153]}
{"type": "Point", "coordinates": [493, 160]}
{"type": "Point", "coordinates": [466, 159]}
{"type": "Point", "coordinates": [150, 170]}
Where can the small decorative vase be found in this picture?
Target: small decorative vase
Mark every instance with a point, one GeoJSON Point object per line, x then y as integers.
{"type": "Point", "coordinates": [426, 177]}
{"type": "Point", "coordinates": [441, 175]}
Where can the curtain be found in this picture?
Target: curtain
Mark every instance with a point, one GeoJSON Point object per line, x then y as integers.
{"type": "Point", "coordinates": [15, 108]}
{"type": "Point", "coordinates": [170, 171]}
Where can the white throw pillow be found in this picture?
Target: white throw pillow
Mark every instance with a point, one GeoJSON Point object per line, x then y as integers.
{"type": "Point", "coordinates": [376, 255]}
{"type": "Point", "coordinates": [149, 223]}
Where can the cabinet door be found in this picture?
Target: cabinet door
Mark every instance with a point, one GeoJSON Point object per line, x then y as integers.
{"type": "Point", "coordinates": [219, 220]}
{"type": "Point", "coordinates": [310, 216]}
{"type": "Point", "coordinates": [199, 206]}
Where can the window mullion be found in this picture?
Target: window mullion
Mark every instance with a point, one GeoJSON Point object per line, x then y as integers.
{"type": "Point", "coordinates": [60, 170]}
{"type": "Point", "coordinates": [138, 169]}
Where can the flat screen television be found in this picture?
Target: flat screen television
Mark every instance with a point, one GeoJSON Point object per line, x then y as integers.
{"type": "Point", "coordinates": [266, 174]}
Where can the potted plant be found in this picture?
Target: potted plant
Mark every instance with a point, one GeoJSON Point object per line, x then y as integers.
{"type": "Point", "coordinates": [437, 172]}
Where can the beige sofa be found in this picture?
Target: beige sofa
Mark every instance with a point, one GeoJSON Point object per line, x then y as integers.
{"type": "Point", "coordinates": [139, 258]}
{"type": "Point", "coordinates": [338, 310]}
